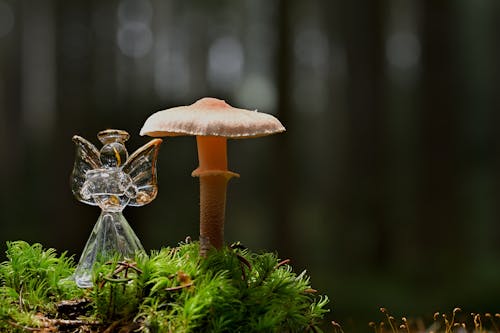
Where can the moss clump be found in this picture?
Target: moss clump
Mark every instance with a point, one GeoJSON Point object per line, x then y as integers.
{"type": "Point", "coordinates": [170, 290]}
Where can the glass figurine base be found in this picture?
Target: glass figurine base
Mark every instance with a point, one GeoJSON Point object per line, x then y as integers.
{"type": "Point", "coordinates": [112, 237]}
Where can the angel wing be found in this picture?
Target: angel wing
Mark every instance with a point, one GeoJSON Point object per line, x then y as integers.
{"type": "Point", "coordinates": [141, 167]}
{"type": "Point", "coordinates": [87, 158]}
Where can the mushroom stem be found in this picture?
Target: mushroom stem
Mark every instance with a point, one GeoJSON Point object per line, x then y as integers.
{"type": "Point", "coordinates": [212, 153]}
{"type": "Point", "coordinates": [213, 174]}
{"type": "Point", "coordinates": [212, 211]}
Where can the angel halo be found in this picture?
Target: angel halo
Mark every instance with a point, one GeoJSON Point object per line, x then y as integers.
{"type": "Point", "coordinates": [111, 179]}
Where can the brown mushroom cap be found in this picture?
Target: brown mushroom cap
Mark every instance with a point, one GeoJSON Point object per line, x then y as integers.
{"type": "Point", "coordinates": [211, 117]}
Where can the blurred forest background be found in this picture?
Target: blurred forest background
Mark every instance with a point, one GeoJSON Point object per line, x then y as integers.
{"type": "Point", "coordinates": [385, 187]}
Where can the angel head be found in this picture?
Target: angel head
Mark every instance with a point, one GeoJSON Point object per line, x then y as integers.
{"type": "Point", "coordinates": [113, 152]}
{"type": "Point", "coordinates": [111, 179]}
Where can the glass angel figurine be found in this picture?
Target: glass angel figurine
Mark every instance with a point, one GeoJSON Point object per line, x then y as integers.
{"type": "Point", "coordinates": [111, 179]}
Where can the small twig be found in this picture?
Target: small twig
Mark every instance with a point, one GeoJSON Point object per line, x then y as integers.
{"type": "Point", "coordinates": [179, 287]}
{"type": "Point", "coordinates": [68, 322]}
{"type": "Point", "coordinates": [243, 274]}
{"type": "Point", "coordinates": [337, 327]}
{"type": "Point", "coordinates": [26, 328]}
{"type": "Point", "coordinates": [119, 269]}
{"type": "Point", "coordinates": [112, 327]}
{"type": "Point", "coordinates": [74, 322]}
{"type": "Point", "coordinates": [21, 303]}
{"type": "Point", "coordinates": [101, 283]}
{"type": "Point", "coordinates": [123, 265]}
{"type": "Point", "coordinates": [244, 260]}
{"type": "Point", "coordinates": [281, 263]}
{"type": "Point", "coordinates": [124, 280]}
{"type": "Point", "coordinates": [310, 291]}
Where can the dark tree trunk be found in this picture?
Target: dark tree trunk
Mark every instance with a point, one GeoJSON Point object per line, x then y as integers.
{"type": "Point", "coordinates": [364, 169]}
{"type": "Point", "coordinates": [437, 191]}
{"type": "Point", "coordinates": [496, 119]}
{"type": "Point", "coordinates": [282, 235]}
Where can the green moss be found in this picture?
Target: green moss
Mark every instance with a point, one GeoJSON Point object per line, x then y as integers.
{"type": "Point", "coordinates": [32, 281]}
{"type": "Point", "coordinates": [170, 290]}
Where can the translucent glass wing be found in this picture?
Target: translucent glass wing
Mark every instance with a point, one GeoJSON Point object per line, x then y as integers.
{"type": "Point", "coordinates": [141, 167]}
{"type": "Point", "coordinates": [87, 158]}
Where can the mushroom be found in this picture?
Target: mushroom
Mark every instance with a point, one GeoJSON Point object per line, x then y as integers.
{"type": "Point", "coordinates": [212, 121]}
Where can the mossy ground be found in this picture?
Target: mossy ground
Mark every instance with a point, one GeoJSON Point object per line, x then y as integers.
{"type": "Point", "coordinates": [170, 290]}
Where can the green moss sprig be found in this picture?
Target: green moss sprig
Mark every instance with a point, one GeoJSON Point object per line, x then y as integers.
{"type": "Point", "coordinates": [33, 281]}
{"type": "Point", "coordinates": [170, 290]}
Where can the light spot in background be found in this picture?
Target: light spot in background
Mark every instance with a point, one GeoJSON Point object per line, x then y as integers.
{"type": "Point", "coordinates": [402, 50]}
{"type": "Point", "coordinates": [6, 19]}
{"type": "Point", "coordinates": [259, 92]}
{"type": "Point", "coordinates": [225, 63]}
{"type": "Point", "coordinates": [135, 37]}
{"type": "Point", "coordinates": [311, 48]}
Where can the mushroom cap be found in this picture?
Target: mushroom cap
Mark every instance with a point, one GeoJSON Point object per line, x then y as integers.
{"type": "Point", "coordinates": [211, 117]}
